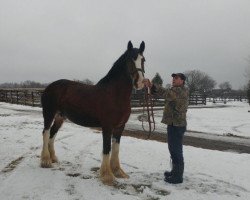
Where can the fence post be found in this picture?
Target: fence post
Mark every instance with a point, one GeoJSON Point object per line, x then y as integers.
{"type": "Point", "coordinates": [17, 100]}
{"type": "Point", "coordinates": [11, 99]}
{"type": "Point", "coordinates": [6, 96]}
{"type": "Point", "coordinates": [25, 96]}
{"type": "Point", "coordinates": [32, 96]}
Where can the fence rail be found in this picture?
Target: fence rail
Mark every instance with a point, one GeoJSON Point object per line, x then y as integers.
{"type": "Point", "coordinates": [32, 97]}
{"type": "Point", "coordinates": [197, 99]}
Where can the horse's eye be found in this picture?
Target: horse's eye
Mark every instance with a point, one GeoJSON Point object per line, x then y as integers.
{"type": "Point", "coordinates": [135, 57]}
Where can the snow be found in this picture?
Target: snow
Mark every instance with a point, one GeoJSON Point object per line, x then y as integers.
{"type": "Point", "coordinates": [209, 174]}
{"type": "Point", "coordinates": [233, 119]}
{"type": "Point", "coordinates": [218, 119]}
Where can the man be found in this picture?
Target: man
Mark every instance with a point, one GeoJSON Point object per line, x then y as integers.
{"type": "Point", "coordinates": [174, 115]}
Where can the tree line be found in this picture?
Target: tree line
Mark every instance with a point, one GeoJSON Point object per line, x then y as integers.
{"type": "Point", "coordinates": [197, 81]}
{"type": "Point", "coordinates": [34, 84]}
{"type": "Point", "coordinates": [25, 84]}
{"type": "Point", "coordinates": [200, 82]}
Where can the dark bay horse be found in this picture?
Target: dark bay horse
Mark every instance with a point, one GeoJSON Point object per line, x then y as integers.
{"type": "Point", "coordinates": [105, 105]}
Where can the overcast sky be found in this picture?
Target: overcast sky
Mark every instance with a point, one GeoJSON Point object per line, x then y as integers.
{"type": "Point", "coordinates": [46, 40]}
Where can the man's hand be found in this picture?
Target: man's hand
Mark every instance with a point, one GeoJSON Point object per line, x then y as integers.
{"type": "Point", "coordinates": [147, 83]}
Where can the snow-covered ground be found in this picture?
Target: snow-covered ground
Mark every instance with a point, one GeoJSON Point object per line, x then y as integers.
{"type": "Point", "coordinates": [208, 174]}
{"type": "Point", "coordinates": [232, 118]}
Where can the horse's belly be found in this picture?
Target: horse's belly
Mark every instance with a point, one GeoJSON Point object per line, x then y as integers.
{"type": "Point", "coordinates": [83, 120]}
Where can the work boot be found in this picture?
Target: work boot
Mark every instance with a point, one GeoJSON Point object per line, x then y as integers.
{"type": "Point", "coordinates": [169, 173]}
{"type": "Point", "coordinates": [177, 174]}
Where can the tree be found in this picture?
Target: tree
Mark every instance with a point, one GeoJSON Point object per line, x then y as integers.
{"type": "Point", "coordinates": [25, 84]}
{"type": "Point", "coordinates": [199, 81]}
{"type": "Point", "coordinates": [247, 72]}
{"type": "Point", "coordinates": [88, 82]}
{"type": "Point", "coordinates": [226, 86]}
{"type": "Point", "coordinates": [248, 91]}
{"type": "Point", "coordinates": [248, 78]}
{"type": "Point", "coordinates": [85, 81]}
{"type": "Point", "coordinates": [157, 79]}
{"type": "Point", "coordinates": [31, 84]}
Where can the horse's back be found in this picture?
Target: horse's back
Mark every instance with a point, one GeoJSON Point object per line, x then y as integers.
{"type": "Point", "coordinates": [60, 87]}
{"type": "Point", "coordinates": [73, 100]}
{"type": "Point", "coordinates": [86, 105]}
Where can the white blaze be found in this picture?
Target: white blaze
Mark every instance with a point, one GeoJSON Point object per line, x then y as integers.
{"type": "Point", "coordinates": [138, 65]}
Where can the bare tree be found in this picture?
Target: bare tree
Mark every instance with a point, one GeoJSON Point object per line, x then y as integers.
{"type": "Point", "coordinates": [199, 81]}
{"type": "Point", "coordinates": [247, 72]}
{"type": "Point", "coordinates": [85, 81]}
{"type": "Point", "coordinates": [88, 82]}
{"type": "Point", "coordinates": [25, 84]}
{"type": "Point", "coordinates": [248, 92]}
{"type": "Point", "coordinates": [226, 86]}
{"type": "Point", "coordinates": [248, 78]}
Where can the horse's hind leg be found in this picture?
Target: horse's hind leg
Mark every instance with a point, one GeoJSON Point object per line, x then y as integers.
{"type": "Point", "coordinates": [59, 119]}
{"type": "Point", "coordinates": [106, 175]}
{"type": "Point", "coordinates": [114, 161]}
{"type": "Point", "coordinates": [45, 155]}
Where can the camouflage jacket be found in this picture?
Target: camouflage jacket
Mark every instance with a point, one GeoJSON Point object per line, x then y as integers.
{"type": "Point", "coordinates": [176, 104]}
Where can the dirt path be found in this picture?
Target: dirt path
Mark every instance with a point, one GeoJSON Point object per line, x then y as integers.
{"type": "Point", "coordinates": [222, 143]}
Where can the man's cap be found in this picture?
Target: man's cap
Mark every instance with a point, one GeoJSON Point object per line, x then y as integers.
{"type": "Point", "coordinates": [181, 75]}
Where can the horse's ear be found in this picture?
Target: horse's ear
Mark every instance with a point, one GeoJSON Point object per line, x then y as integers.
{"type": "Point", "coordinates": [130, 45]}
{"type": "Point", "coordinates": [142, 47]}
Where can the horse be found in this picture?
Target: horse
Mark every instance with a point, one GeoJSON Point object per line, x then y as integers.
{"type": "Point", "coordinates": [105, 105]}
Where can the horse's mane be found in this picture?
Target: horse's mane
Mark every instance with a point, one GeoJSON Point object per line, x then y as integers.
{"type": "Point", "coordinates": [118, 68]}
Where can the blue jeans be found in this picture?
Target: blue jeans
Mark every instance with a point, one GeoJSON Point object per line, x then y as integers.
{"type": "Point", "coordinates": [175, 140]}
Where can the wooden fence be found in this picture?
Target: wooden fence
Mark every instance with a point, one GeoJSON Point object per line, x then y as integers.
{"type": "Point", "coordinates": [138, 99]}
{"type": "Point", "coordinates": [32, 97]}
{"type": "Point", "coordinates": [197, 99]}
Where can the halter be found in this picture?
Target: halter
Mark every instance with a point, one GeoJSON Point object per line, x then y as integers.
{"type": "Point", "coordinates": [136, 70]}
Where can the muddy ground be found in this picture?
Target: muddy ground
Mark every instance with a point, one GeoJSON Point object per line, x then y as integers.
{"type": "Point", "coordinates": [205, 143]}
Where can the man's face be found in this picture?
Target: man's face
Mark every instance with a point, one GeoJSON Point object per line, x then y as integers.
{"type": "Point", "coordinates": [177, 81]}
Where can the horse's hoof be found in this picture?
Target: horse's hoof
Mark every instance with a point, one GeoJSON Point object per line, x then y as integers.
{"type": "Point", "coordinates": [54, 159]}
{"type": "Point", "coordinates": [108, 180]}
{"type": "Point", "coordinates": [120, 174]}
{"type": "Point", "coordinates": [46, 163]}
{"type": "Point", "coordinates": [124, 175]}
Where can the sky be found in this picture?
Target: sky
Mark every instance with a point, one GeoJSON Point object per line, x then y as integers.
{"type": "Point", "coordinates": [53, 39]}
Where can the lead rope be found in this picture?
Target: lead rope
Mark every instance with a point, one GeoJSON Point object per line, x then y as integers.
{"type": "Point", "coordinates": [148, 105]}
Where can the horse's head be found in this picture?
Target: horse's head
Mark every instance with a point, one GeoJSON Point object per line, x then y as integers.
{"type": "Point", "coordinates": [135, 62]}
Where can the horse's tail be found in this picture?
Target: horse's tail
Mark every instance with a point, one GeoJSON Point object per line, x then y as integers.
{"type": "Point", "coordinates": [50, 100]}
{"type": "Point", "coordinates": [53, 92]}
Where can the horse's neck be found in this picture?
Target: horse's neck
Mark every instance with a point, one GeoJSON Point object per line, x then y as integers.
{"type": "Point", "coordinates": [123, 86]}
{"type": "Point", "coordinates": [118, 80]}
{"type": "Point", "coordinates": [117, 73]}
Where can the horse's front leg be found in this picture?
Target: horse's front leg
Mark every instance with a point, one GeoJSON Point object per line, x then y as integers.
{"type": "Point", "coordinates": [106, 175]}
{"type": "Point", "coordinates": [114, 161]}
